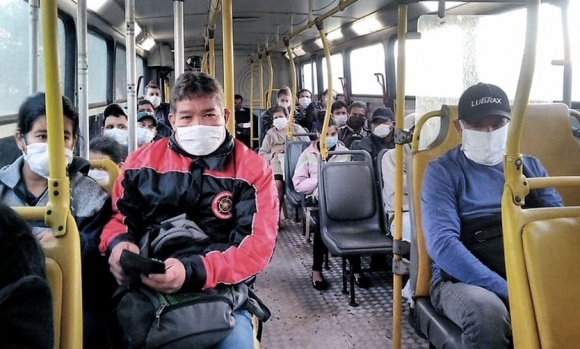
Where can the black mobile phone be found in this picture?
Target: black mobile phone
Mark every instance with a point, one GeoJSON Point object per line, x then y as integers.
{"type": "Point", "coordinates": [134, 264]}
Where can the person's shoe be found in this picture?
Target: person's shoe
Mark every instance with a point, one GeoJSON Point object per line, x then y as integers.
{"type": "Point", "coordinates": [320, 285]}
{"type": "Point", "coordinates": [362, 281]}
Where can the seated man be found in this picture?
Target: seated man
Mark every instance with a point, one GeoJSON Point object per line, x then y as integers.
{"type": "Point", "coordinates": [162, 130]}
{"type": "Point", "coordinates": [354, 130]}
{"type": "Point", "coordinates": [382, 135]}
{"type": "Point", "coordinates": [461, 189]}
{"type": "Point", "coordinates": [220, 184]}
{"type": "Point", "coordinates": [116, 123]}
{"type": "Point", "coordinates": [146, 128]}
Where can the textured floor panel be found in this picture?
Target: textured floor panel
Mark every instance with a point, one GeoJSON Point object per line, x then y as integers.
{"type": "Point", "coordinates": [303, 317]}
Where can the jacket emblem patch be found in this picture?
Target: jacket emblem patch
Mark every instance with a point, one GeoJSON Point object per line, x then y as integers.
{"type": "Point", "coordinates": [222, 205]}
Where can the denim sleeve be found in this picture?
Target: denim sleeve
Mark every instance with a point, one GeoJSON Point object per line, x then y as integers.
{"type": "Point", "coordinates": [441, 224]}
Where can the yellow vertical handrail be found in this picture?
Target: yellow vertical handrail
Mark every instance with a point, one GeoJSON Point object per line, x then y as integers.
{"type": "Point", "coordinates": [400, 116]}
{"type": "Point", "coordinates": [205, 63]}
{"type": "Point", "coordinates": [294, 86]}
{"type": "Point", "coordinates": [261, 82]}
{"type": "Point", "coordinates": [523, 317]}
{"type": "Point", "coordinates": [271, 84]}
{"type": "Point", "coordinates": [66, 251]}
{"type": "Point", "coordinates": [211, 36]}
{"type": "Point", "coordinates": [228, 53]}
{"type": "Point", "coordinates": [326, 46]}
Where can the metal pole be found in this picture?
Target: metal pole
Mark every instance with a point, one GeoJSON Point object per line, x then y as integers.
{"type": "Point", "coordinates": [261, 82]}
{"type": "Point", "coordinates": [567, 89]}
{"type": "Point", "coordinates": [178, 52]}
{"type": "Point", "coordinates": [228, 52]}
{"type": "Point", "coordinates": [329, 101]}
{"type": "Point", "coordinates": [400, 110]}
{"type": "Point", "coordinates": [131, 73]}
{"type": "Point", "coordinates": [34, 7]}
{"type": "Point", "coordinates": [294, 85]}
{"type": "Point", "coordinates": [252, 103]}
{"type": "Point", "coordinates": [83, 75]}
{"type": "Point", "coordinates": [211, 36]}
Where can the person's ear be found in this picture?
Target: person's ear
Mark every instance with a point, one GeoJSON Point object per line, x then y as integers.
{"type": "Point", "coordinates": [172, 121]}
{"type": "Point", "coordinates": [20, 141]}
{"type": "Point", "coordinates": [227, 115]}
{"type": "Point", "coordinates": [457, 125]}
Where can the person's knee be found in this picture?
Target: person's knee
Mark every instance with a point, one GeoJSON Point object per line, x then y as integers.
{"type": "Point", "coordinates": [488, 324]}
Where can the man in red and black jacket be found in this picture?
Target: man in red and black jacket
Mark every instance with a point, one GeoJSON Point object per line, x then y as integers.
{"type": "Point", "coordinates": [220, 184]}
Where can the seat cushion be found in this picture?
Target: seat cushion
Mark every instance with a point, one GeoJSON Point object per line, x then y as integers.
{"type": "Point", "coordinates": [360, 243]}
{"type": "Point", "coordinates": [441, 331]}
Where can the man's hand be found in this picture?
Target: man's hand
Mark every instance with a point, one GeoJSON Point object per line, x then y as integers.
{"type": "Point", "coordinates": [115, 266]}
{"type": "Point", "coordinates": [171, 281]}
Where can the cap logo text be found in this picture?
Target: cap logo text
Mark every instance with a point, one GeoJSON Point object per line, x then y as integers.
{"type": "Point", "coordinates": [486, 100]}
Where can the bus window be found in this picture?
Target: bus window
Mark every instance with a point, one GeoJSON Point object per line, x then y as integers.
{"type": "Point", "coordinates": [573, 10]}
{"type": "Point", "coordinates": [120, 74]}
{"type": "Point", "coordinates": [97, 50]}
{"type": "Point", "coordinates": [365, 62]}
{"type": "Point", "coordinates": [337, 71]}
{"type": "Point", "coordinates": [309, 79]}
{"type": "Point", "coordinates": [140, 69]}
{"type": "Point", "coordinates": [15, 44]}
{"type": "Point", "coordinates": [61, 57]}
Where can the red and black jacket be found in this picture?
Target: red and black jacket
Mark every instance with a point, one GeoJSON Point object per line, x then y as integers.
{"type": "Point", "coordinates": [230, 194]}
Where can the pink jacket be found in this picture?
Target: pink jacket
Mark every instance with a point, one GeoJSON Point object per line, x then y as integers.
{"type": "Point", "coordinates": [305, 177]}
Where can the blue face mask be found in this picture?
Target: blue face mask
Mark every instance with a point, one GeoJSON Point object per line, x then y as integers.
{"type": "Point", "coordinates": [238, 107]}
{"type": "Point", "coordinates": [331, 141]}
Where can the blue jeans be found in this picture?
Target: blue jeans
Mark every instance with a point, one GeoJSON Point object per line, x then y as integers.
{"type": "Point", "coordinates": [242, 336]}
{"type": "Point", "coordinates": [481, 315]}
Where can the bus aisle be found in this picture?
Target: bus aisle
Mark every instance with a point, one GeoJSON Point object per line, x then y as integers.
{"type": "Point", "coordinates": [303, 317]}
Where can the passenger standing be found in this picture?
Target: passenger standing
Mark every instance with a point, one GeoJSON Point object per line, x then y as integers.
{"type": "Point", "coordinates": [25, 183]}
{"type": "Point", "coordinates": [304, 100]}
{"type": "Point", "coordinates": [274, 145]}
{"type": "Point", "coordinates": [313, 109]}
{"type": "Point", "coordinates": [220, 184]}
{"type": "Point", "coordinates": [153, 95]}
{"type": "Point", "coordinates": [460, 202]}
{"type": "Point", "coordinates": [354, 130]}
{"type": "Point", "coordinates": [382, 135]}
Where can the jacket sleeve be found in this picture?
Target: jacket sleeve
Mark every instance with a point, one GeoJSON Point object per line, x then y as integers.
{"type": "Point", "coordinates": [266, 148]}
{"type": "Point", "coordinates": [442, 224]}
{"type": "Point", "coordinates": [304, 180]}
{"type": "Point", "coordinates": [254, 237]}
{"type": "Point", "coordinates": [127, 211]}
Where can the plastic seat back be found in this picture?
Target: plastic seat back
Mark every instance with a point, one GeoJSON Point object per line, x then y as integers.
{"type": "Point", "coordinates": [547, 135]}
{"type": "Point", "coordinates": [350, 209]}
{"type": "Point", "coordinates": [292, 154]}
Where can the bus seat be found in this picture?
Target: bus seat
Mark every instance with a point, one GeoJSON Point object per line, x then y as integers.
{"type": "Point", "coordinates": [440, 331]}
{"type": "Point", "coordinates": [351, 217]}
{"type": "Point", "coordinates": [111, 168]}
{"type": "Point", "coordinates": [547, 135]}
{"type": "Point", "coordinates": [292, 154]}
{"type": "Point", "coordinates": [551, 255]}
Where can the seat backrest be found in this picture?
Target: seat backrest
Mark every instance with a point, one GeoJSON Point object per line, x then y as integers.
{"type": "Point", "coordinates": [447, 138]}
{"type": "Point", "coordinates": [547, 135]}
{"type": "Point", "coordinates": [111, 168]}
{"type": "Point", "coordinates": [292, 154]}
{"type": "Point", "coordinates": [348, 199]}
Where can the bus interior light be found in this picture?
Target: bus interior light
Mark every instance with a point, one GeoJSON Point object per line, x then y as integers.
{"type": "Point", "coordinates": [366, 25]}
{"type": "Point", "coordinates": [148, 43]}
{"type": "Point", "coordinates": [95, 5]}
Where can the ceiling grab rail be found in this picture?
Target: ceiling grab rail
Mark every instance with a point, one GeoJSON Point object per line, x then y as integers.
{"type": "Point", "coordinates": [342, 5]}
{"type": "Point", "coordinates": [399, 124]}
{"type": "Point", "coordinates": [294, 87]}
{"type": "Point", "coordinates": [228, 53]}
{"type": "Point", "coordinates": [329, 101]}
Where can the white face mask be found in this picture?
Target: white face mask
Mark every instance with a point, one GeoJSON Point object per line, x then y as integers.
{"type": "Point", "coordinates": [100, 176]}
{"type": "Point", "coordinates": [340, 119]}
{"type": "Point", "coordinates": [121, 136]}
{"type": "Point", "coordinates": [37, 158]}
{"type": "Point", "coordinates": [200, 140]}
{"type": "Point", "coordinates": [155, 100]}
{"type": "Point", "coordinates": [304, 101]}
{"type": "Point", "coordinates": [280, 123]}
{"type": "Point", "coordinates": [382, 131]}
{"type": "Point", "coordinates": [485, 148]}
{"type": "Point", "coordinates": [144, 135]}
{"type": "Point", "coordinates": [284, 104]}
